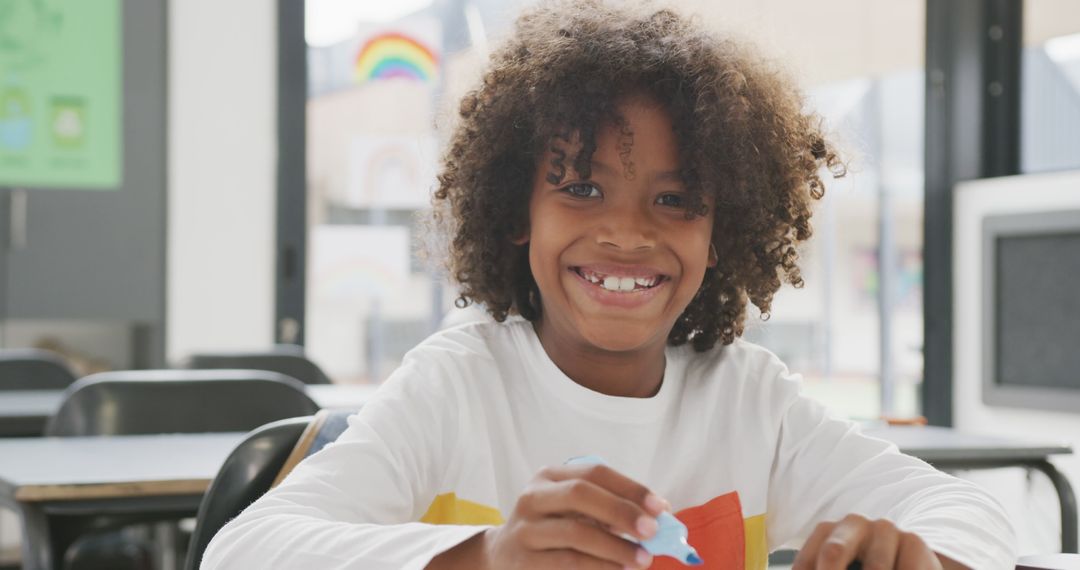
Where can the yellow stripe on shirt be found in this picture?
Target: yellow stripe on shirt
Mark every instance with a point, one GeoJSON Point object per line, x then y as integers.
{"type": "Point", "coordinates": [449, 509]}
{"type": "Point", "coordinates": [757, 548]}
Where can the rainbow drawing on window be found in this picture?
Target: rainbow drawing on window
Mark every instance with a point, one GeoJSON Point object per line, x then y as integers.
{"type": "Point", "coordinates": [393, 54]}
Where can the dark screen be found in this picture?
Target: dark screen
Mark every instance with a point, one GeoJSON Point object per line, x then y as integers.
{"type": "Point", "coordinates": [1038, 310]}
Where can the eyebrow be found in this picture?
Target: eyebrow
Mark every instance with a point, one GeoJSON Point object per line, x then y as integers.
{"type": "Point", "coordinates": [667, 175]}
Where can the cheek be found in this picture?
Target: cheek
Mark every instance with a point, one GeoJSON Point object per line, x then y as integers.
{"type": "Point", "coordinates": [547, 236]}
{"type": "Point", "coordinates": [695, 255]}
{"type": "Point", "coordinates": [697, 242]}
{"type": "Point", "coordinates": [540, 260]}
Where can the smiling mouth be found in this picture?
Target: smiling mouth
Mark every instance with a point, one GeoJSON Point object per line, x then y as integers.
{"type": "Point", "coordinates": [620, 284]}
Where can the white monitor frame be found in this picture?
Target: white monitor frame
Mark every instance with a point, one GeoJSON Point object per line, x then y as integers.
{"type": "Point", "coordinates": [1008, 225]}
{"type": "Point", "coordinates": [973, 202]}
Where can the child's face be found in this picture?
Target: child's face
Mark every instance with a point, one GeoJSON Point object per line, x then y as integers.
{"type": "Point", "coordinates": [614, 256]}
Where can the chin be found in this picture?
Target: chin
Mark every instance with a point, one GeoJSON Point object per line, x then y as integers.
{"type": "Point", "coordinates": [620, 338]}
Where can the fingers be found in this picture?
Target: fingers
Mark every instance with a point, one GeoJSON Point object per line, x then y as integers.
{"type": "Point", "coordinates": [613, 481]}
{"type": "Point", "coordinates": [807, 556]}
{"type": "Point", "coordinates": [834, 546]}
{"type": "Point", "coordinates": [597, 492]}
{"type": "Point", "coordinates": [560, 533]}
{"type": "Point", "coordinates": [915, 555]}
{"type": "Point", "coordinates": [843, 544]}
{"type": "Point", "coordinates": [876, 544]}
{"type": "Point", "coordinates": [576, 560]}
{"type": "Point", "coordinates": [584, 497]}
{"type": "Point", "coordinates": [880, 548]}
{"type": "Point", "coordinates": [574, 516]}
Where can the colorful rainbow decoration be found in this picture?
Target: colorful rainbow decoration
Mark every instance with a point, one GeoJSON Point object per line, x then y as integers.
{"type": "Point", "coordinates": [394, 54]}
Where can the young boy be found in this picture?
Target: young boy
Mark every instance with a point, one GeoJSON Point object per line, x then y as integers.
{"type": "Point", "coordinates": [624, 183]}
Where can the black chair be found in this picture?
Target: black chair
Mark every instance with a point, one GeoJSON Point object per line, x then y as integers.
{"type": "Point", "coordinates": [33, 369]}
{"type": "Point", "coordinates": [177, 401]}
{"type": "Point", "coordinates": [110, 551]}
{"type": "Point", "coordinates": [257, 464]}
{"type": "Point", "coordinates": [161, 401]}
{"type": "Point", "coordinates": [287, 359]}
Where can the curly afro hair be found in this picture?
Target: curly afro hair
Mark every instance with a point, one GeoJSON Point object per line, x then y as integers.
{"type": "Point", "coordinates": [743, 138]}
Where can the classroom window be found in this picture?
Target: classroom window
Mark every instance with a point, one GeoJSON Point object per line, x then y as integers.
{"type": "Point", "coordinates": [855, 331]}
{"type": "Point", "coordinates": [1050, 87]}
{"type": "Point", "coordinates": [374, 82]}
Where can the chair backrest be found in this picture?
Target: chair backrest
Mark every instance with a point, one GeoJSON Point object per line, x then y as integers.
{"type": "Point", "coordinates": [284, 359]}
{"type": "Point", "coordinates": [259, 463]}
{"type": "Point", "coordinates": [246, 474]}
{"type": "Point", "coordinates": [324, 428]}
{"type": "Point", "coordinates": [177, 401]}
{"type": "Point", "coordinates": [33, 369]}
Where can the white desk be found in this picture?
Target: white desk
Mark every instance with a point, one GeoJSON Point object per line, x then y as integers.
{"type": "Point", "coordinates": [48, 480]}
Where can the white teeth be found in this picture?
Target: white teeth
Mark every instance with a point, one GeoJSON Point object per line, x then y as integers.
{"type": "Point", "coordinates": [616, 283]}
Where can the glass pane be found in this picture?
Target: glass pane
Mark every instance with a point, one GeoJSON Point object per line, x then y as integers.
{"type": "Point", "coordinates": [832, 330]}
{"type": "Point", "coordinates": [869, 89]}
{"type": "Point", "coordinates": [374, 81]}
{"type": "Point", "coordinates": [1050, 86]}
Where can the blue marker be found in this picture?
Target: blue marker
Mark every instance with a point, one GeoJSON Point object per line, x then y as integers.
{"type": "Point", "coordinates": [669, 540]}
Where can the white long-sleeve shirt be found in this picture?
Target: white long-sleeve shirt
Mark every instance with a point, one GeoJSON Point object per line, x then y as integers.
{"type": "Point", "coordinates": [447, 444]}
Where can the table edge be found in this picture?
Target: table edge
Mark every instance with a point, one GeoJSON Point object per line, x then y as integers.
{"type": "Point", "coordinates": [63, 492]}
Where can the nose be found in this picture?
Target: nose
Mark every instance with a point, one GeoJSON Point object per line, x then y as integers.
{"type": "Point", "coordinates": [626, 227]}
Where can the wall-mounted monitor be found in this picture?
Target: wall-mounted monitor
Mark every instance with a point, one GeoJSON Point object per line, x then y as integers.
{"type": "Point", "coordinates": [1031, 309]}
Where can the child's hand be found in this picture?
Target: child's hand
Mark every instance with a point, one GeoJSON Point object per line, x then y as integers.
{"type": "Point", "coordinates": [877, 544]}
{"type": "Point", "coordinates": [571, 516]}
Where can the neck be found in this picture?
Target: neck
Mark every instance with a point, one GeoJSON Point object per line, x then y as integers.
{"type": "Point", "coordinates": [631, 374]}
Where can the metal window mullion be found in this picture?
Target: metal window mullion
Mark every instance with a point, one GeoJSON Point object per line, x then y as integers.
{"type": "Point", "coordinates": [972, 131]}
{"type": "Point", "coordinates": [290, 265]}
{"type": "Point", "coordinates": [1002, 46]}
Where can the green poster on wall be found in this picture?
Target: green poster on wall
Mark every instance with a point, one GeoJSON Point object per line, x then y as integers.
{"type": "Point", "coordinates": [60, 93]}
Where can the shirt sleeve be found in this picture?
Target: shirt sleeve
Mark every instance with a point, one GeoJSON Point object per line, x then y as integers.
{"type": "Point", "coordinates": [354, 504]}
{"type": "Point", "coordinates": [825, 469]}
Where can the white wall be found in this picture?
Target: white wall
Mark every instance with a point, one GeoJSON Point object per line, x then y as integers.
{"type": "Point", "coordinates": [1032, 502]}
{"type": "Point", "coordinates": [222, 156]}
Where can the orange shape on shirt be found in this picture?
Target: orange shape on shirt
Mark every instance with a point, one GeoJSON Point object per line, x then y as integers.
{"type": "Point", "coordinates": [716, 532]}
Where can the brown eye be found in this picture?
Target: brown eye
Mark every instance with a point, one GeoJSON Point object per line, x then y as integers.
{"type": "Point", "coordinates": [582, 190]}
{"type": "Point", "coordinates": [672, 200]}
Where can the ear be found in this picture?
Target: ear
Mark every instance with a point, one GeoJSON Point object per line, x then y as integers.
{"type": "Point", "coordinates": [713, 257]}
